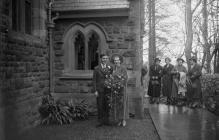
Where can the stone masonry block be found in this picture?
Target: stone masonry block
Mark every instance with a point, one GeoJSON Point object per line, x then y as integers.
{"type": "Point", "coordinates": [59, 52]}
{"type": "Point", "coordinates": [116, 30]}
{"type": "Point", "coordinates": [85, 89]}
{"type": "Point", "coordinates": [113, 45]}
{"type": "Point", "coordinates": [131, 23]}
{"type": "Point", "coordinates": [129, 53]}
{"type": "Point", "coordinates": [130, 37]}
{"type": "Point", "coordinates": [122, 46]}
{"type": "Point", "coordinates": [63, 89]}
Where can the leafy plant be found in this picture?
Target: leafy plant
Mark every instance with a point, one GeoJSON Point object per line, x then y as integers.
{"type": "Point", "coordinates": [60, 112]}
{"type": "Point", "coordinates": [78, 109]}
{"type": "Point", "coordinates": [211, 104]}
{"type": "Point", "coordinates": [53, 113]}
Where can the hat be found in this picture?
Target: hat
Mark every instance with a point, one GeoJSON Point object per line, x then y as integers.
{"type": "Point", "coordinates": [167, 58]}
{"type": "Point", "coordinates": [180, 59]}
{"type": "Point", "coordinates": [157, 59]}
{"type": "Point", "coordinates": [193, 58]}
{"type": "Point", "coordinates": [116, 55]}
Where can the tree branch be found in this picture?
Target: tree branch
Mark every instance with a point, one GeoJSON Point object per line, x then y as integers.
{"type": "Point", "coordinates": [200, 1]}
{"type": "Point", "coordinates": [181, 55]}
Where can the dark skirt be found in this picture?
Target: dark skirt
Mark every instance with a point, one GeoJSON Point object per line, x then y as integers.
{"type": "Point", "coordinates": [194, 90]}
{"type": "Point", "coordinates": [167, 85]}
{"type": "Point", "coordinates": [154, 88]}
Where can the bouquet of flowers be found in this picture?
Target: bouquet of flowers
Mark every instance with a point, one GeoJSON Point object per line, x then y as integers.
{"type": "Point", "coordinates": [114, 85]}
{"type": "Point", "coordinates": [107, 71]}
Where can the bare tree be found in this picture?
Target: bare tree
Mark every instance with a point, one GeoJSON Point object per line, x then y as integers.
{"type": "Point", "coordinates": [189, 28]}
{"type": "Point", "coordinates": [206, 45]}
{"type": "Point", "coordinates": [152, 33]}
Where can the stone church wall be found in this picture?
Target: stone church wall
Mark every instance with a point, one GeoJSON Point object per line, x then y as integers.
{"type": "Point", "coordinates": [125, 38]}
{"type": "Point", "coordinates": [23, 72]}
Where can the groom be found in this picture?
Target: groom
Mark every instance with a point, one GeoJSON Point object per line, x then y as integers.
{"type": "Point", "coordinates": [99, 76]}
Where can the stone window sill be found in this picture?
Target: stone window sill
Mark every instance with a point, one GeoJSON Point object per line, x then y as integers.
{"type": "Point", "coordinates": [78, 75]}
{"type": "Point", "coordinates": [24, 37]}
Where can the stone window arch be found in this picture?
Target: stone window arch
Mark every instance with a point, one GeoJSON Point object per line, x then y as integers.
{"type": "Point", "coordinates": [82, 46]}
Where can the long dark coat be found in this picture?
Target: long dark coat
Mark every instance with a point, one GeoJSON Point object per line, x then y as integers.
{"type": "Point", "coordinates": [155, 73]}
{"type": "Point", "coordinates": [98, 85]}
{"type": "Point", "coordinates": [167, 80]}
{"type": "Point", "coordinates": [194, 89]}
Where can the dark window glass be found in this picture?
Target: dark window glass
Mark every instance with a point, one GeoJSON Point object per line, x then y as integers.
{"type": "Point", "coordinates": [16, 18]}
{"type": "Point", "coordinates": [93, 54]}
{"type": "Point", "coordinates": [28, 17]}
{"type": "Point", "coordinates": [79, 52]}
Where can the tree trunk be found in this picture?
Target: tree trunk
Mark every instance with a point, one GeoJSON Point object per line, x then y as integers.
{"type": "Point", "coordinates": [189, 32]}
{"type": "Point", "coordinates": [206, 47]}
{"type": "Point", "coordinates": [152, 38]}
{"type": "Point", "coordinates": [149, 36]}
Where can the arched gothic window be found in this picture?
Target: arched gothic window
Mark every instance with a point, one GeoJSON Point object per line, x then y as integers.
{"type": "Point", "coordinates": [86, 59]}
{"type": "Point", "coordinates": [82, 47]}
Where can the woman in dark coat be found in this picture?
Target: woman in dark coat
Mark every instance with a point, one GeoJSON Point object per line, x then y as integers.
{"type": "Point", "coordinates": [194, 89]}
{"type": "Point", "coordinates": [154, 88]}
{"type": "Point", "coordinates": [167, 80]}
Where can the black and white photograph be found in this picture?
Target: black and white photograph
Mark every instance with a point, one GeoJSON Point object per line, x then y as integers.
{"type": "Point", "coordinates": [109, 69]}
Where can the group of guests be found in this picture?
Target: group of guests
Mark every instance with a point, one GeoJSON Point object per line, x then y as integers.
{"type": "Point", "coordinates": [179, 85]}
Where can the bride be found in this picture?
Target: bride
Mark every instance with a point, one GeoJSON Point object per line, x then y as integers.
{"type": "Point", "coordinates": [119, 99]}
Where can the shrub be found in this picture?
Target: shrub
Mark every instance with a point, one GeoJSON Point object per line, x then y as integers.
{"type": "Point", "coordinates": [211, 104]}
{"type": "Point", "coordinates": [78, 109]}
{"type": "Point", "coordinates": [53, 112]}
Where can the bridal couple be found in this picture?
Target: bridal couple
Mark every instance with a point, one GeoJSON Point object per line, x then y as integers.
{"type": "Point", "coordinates": [109, 81]}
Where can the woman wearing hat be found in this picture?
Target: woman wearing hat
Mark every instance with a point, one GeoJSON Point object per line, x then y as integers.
{"type": "Point", "coordinates": [167, 80]}
{"type": "Point", "coordinates": [194, 89]}
{"type": "Point", "coordinates": [179, 82]}
{"type": "Point", "coordinates": [119, 101]}
{"type": "Point", "coordinates": [154, 88]}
